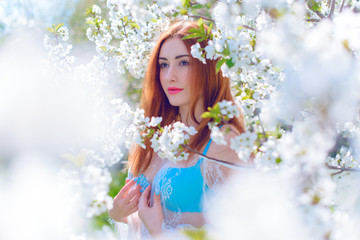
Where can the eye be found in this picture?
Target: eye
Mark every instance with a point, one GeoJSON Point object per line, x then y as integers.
{"type": "Point", "coordinates": [184, 63]}
{"type": "Point", "coordinates": [163, 65]}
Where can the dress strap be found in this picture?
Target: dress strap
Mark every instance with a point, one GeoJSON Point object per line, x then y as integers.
{"type": "Point", "coordinates": [208, 144]}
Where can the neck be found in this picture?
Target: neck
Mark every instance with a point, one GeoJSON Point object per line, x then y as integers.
{"type": "Point", "coordinates": [186, 116]}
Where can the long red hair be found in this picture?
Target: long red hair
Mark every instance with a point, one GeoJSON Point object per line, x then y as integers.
{"type": "Point", "coordinates": [212, 86]}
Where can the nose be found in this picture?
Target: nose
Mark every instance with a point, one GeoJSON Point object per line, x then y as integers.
{"type": "Point", "coordinates": [171, 74]}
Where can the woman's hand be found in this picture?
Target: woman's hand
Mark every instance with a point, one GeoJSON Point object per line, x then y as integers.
{"type": "Point", "coordinates": [125, 202]}
{"type": "Point", "coordinates": [153, 216]}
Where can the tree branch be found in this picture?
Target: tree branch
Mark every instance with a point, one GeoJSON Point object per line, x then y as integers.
{"type": "Point", "coordinates": [198, 16]}
{"type": "Point", "coordinates": [342, 5]}
{"type": "Point", "coordinates": [245, 26]}
{"type": "Point", "coordinates": [320, 15]}
{"type": "Point", "coordinates": [313, 20]}
{"type": "Point", "coordinates": [257, 112]}
{"type": "Point", "coordinates": [212, 20]}
{"type": "Point", "coordinates": [222, 162]}
{"type": "Point", "coordinates": [332, 8]}
{"type": "Point", "coordinates": [341, 169]}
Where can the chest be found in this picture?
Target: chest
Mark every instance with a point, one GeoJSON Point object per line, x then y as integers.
{"type": "Point", "coordinates": [181, 189]}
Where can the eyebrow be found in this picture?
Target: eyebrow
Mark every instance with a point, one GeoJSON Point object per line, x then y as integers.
{"type": "Point", "coordinates": [177, 57]}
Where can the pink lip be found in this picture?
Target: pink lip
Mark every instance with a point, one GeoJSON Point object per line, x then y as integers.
{"type": "Point", "coordinates": [174, 90]}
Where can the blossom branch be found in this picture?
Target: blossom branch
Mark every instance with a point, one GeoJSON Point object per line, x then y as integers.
{"type": "Point", "coordinates": [222, 162]}
{"type": "Point", "coordinates": [341, 169]}
{"type": "Point", "coordinates": [342, 5]}
{"type": "Point", "coordinates": [212, 20]}
{"type": "Point", "coordinates": [320, 15]}
{"type": "Point", "coordinates": [332, 8]}
{"type": "Point", "coordinates": [247, 27]}
{"type": "Point", "coordinates": [198, 16]}
{"type": "Point", "coordinates": [257, 112]}
{"type": "Point", "coordinates": [313, 20]}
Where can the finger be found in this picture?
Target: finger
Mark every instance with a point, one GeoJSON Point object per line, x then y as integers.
{"type": "Point", "coordinates": [144, 197]}
{"type": "Point", "coordinates": [126, 188]}
{"type": "Point", "coordinates": [131, 194]}
{"type": "Point", "coordinates": [157, 200]}
{"type": "Point", "coordinates": [135, 201]}
{"type": "Point", "coordinates": [134, 209]}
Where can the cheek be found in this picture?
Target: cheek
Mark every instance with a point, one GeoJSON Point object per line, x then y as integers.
{"type": "Point", "coordinates": [161, 79]}
{"type": "Point", "coordinates": [187, 79]}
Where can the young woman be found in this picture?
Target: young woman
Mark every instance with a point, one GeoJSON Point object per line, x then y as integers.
{"type": "Point", "coordinates": [177, 87]}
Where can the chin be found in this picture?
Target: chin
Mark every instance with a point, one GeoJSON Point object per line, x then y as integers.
{"type": "Point", "coordinates": [174, 104]}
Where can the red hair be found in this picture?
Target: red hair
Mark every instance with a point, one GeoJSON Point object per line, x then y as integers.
{"type": "Point", "coordinates": [212, 86]}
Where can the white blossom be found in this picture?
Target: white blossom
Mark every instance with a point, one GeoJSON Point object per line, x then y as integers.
{"type": "Point", "coordinates": [216, 135]}
{"type": "Point", "coordinates": [196, 52]}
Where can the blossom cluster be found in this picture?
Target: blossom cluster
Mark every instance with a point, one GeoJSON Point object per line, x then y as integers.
{"type": "Point", "coordinates": [127, 40]}
{"type": "Point", "coordinates": [169, 143]}
{"type": "Point", "coordinates": [221, 113]}
{"type": "Point", "coordinates": [59, 49]}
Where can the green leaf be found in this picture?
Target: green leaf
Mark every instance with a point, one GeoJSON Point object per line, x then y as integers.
{"type": "Point", "coordinates": [194, 30]}
{"type": "Point", "coordinates": [238, 93]}
{"type": "Point", "coordinates": [103, 48]}
{"type": "Point", "coordinates": [316, 199]}
{"type": "Point", "coordinates": [210, 28]}
{"type": "Point", "coordinates": [229, 63]}
{"type": "Point", "coordinates": [245, 97]}
{"type": "Point", "coordinates": [201, 39]}
{"type": "Point", "coordinates": [58, 26]}
{"type": "Point", "coordinates": [154, 20]}
{"type": "Point", "coordinates": [183, 11]}
{"type": "Point", "coordinates": [226, 51]}
{"type": "Point", "coordinates": [346, 45]}
{"type": "Point", "coordinates": [50, 29]}
{"type": "Point", "coordinates": [88, 11]}
{"type": "Point", "coordinates": [206, 115]}
{"type": "Point", "coordinates": [219, 63]}
{"type": "Point", "coordinates": [252, 43]}
{"type": "Point", "coordinates": [314, 5]}
{"type": "Point", "coordinates": [201, 25]}
{"type": "Point", "coordinates": [135, 25]}
{"type": "Point", "coordinates": [200, 22]}
{"type": "Point", "coordinates": [185, 3]}
{"type": "Point", "coordinates": [193, 35]}
{"type": "Point", "coordinates": [276, 69]}
{"type": "Point", "coordinates": [197, 234]}
{"type": "Point", "coordinates": [197, 6]}
{"type": "Point", "coordinates": [78, 160]}
{"type": "Point", "coordinates": [90, 22]}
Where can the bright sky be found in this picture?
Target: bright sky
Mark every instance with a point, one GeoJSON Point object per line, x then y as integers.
{"type": "Point", "coordinates": [34, 12]}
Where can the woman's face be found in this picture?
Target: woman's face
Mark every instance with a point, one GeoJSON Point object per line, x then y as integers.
{"type": "Point", "coordinates": [174, 61]}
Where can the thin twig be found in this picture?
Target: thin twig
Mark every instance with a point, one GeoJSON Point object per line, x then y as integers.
{"type": "Point", "coordinates": [313, 20]}
{"type": "Point", "coordinates": [193, 3]}
{"type": "Point", "coordinates": [341, 169]}
{"type": "Point", "coordinates": [250, 28]}
{"type": "Point", "coordinates": [222, 162]}
{"type": "Point", "coordinates": [198, 16]}
{"type": "Point", "coordinates": [212, 20]}
{"type": "Point", "coordinates": [336, 173]}
{"type": "Point", "coordinates": [320, 15]}
{"type": "Point", "coordinates": [342, 5]}
{"type": "Point", "coordinates": [332, 8]}
{"type": "Point", "coordinates": [262, 126]}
